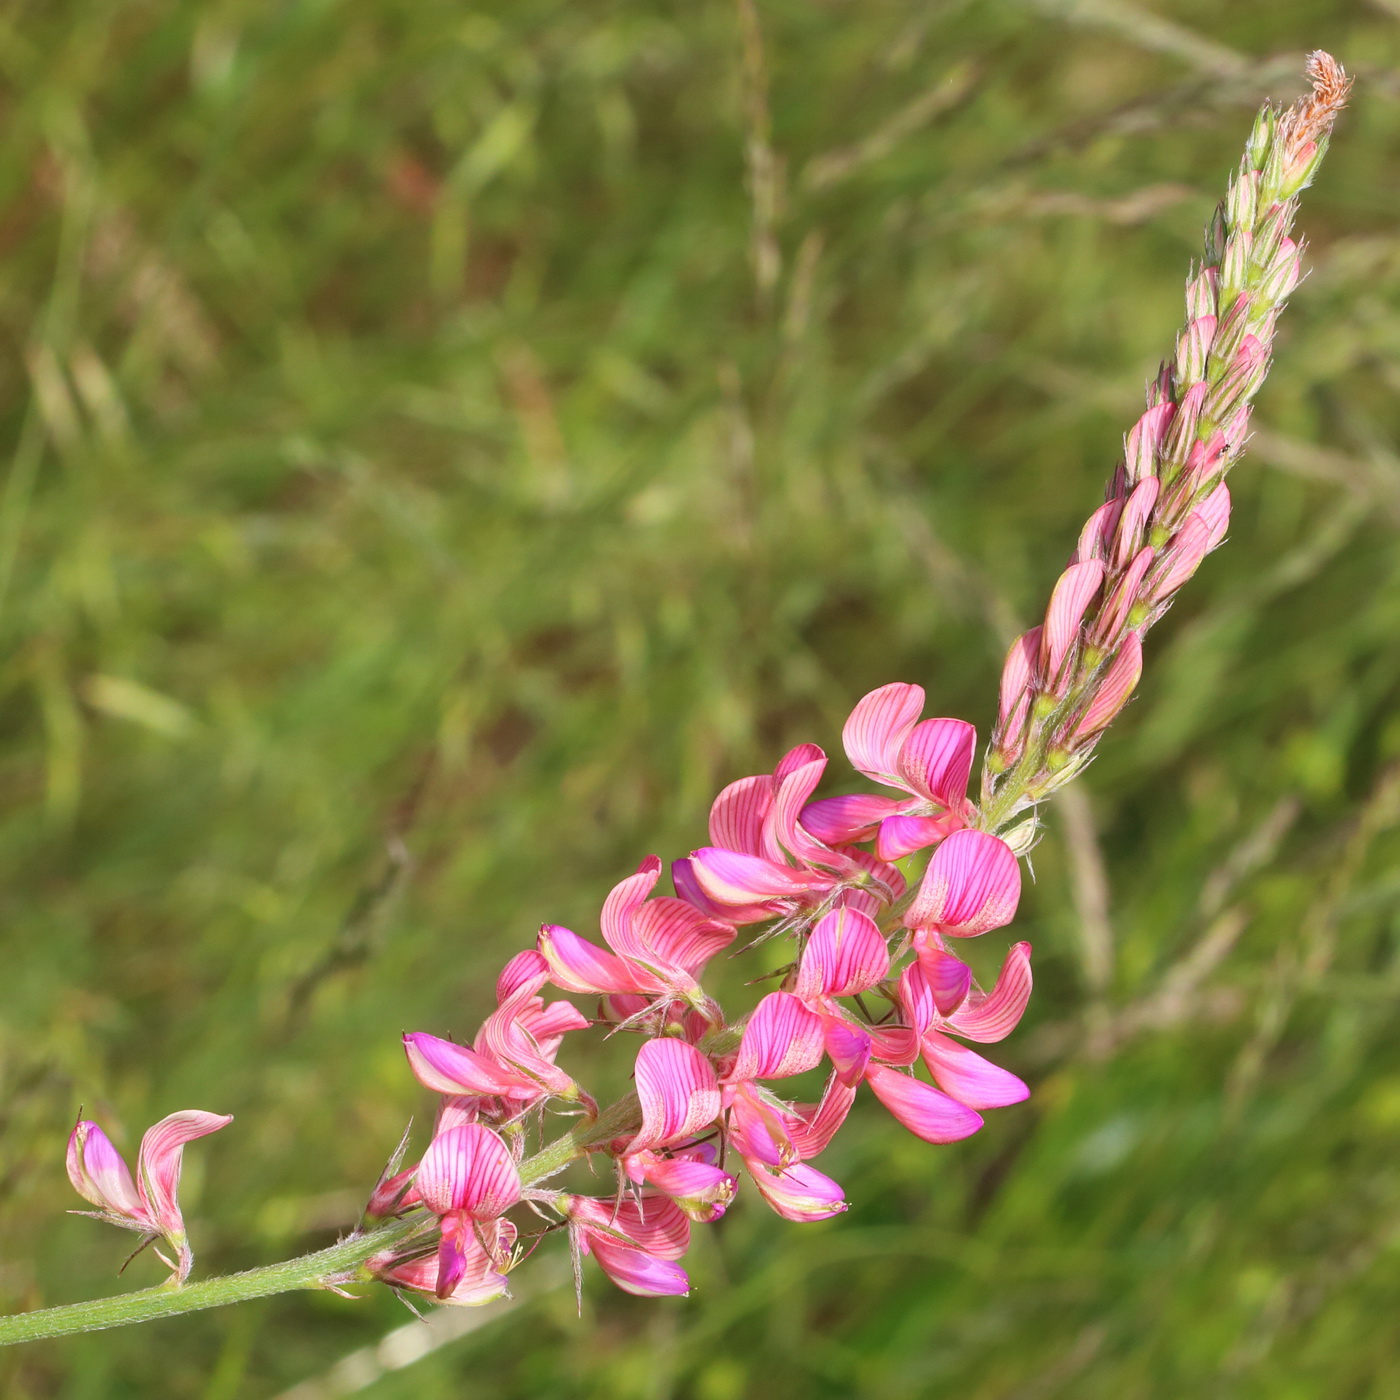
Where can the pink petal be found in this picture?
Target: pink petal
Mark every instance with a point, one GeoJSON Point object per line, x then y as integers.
{"type": "Point", "coordinates": [548, 1025]}
{"type": "Point", "coordinates": [626, 898]}
{"type": "Point", "coordinates": [972, 884]}
{"type": "Point", "coordinates": [1179, 559]}
{"type": "Point", "coordinates": [799, 1193]}
{"type": "Point", "coordinates": [848, 1046]}
{"type": "Point", "coordinates": [576, 965]}
{"type": "Point", "coordinates": [994, 1015]}
{"type": "Point", "coordinates": [924, 1110]}
{"type": "Point", "coordinates": [676, 934]}
{"type": "Point", "coordinates": [522, 976]}
{"type": "Point", "coordinates": [654, 1225]}
{"type": "Point", "coordinates": [845, 954]}
{"type": "Point", "coordinates": [1113, 615]}
{"type": "Point", "coordinates": [949, 979]}
{"type": "Point", "coordinates": [788, 801]}
{"type": "Point", "coordinates": [1133, 525]}
{"type": "Point", "coordinates": [1115, 687]}
{"type": "Point", "coordinates": [1215, 511]}
{"type": "Point", "coordinates": [729, 877]}
{"type": "Point", "coordinates": [937, 758]}
{"type": "Point", "coordinates": [915, 997]}
{"type": "Point", "coordinates": [678, 1091]}
{"type": "Point", "coordinates": [98, 1173]}
{"type": "Point", "coordinates": [900, 836]}
{"type": "Point", "coordinates": [1017, 670]}
{"type": "Point", "coordinates": [448, 1068]}
{"type": "Point", "coordinates": [468, 1169]}
{"type": "Point", "coordinates": [688, 887]}
{"type": "Point", "coordinates": [1097, 531]}
{"type": "Point", "coordinates": [639, 1273]}
{"type": "Point", "coordinates": [838, 820]}
{"type": "Point", "coordinates": [966, 1076]}
{"type": "Point", "coordinates": [700, 1189]}
{"type": "Point", "coordinates": [1073, 593]}
{"type": "Point", "coordinates": [159, 1160]}
{"type": "Point", "coordinates": [878, 727]}
{"type": "Point", "coordinates": [782, 1037]}
{"type": "Point", "coordinates": [736, 819]}
{"type": "Point", "coordinates": [880, 872]}
{"type": "Point", "coordinates": [758, 1128]}
{"type": "Point", "coordinates": [818, 1122]}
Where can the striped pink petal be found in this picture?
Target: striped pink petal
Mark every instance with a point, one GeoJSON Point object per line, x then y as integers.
{"type": "Point", "coordinates": [817, 1123]}
{"type": "Point", "coordinates": [964, 1075]}
{"type": "Point", "coordinates": [736, 818]}
{"type": "Point", "coordinates": [798, 1192]}
{"type": "Point", "coordinates": [1215, 511]}
{"type": "Point", "coordinates": [655, 1225]}
{"type": "Point", "coordinates": [790, 798]}
{"type": "Point", "coordinates": [468, 1169]}
{"type": "Point", "coordinates": [448, 1068]}
{"type": "Point", "coordinates": [837, 820]}
{"type": "Point", "coordinates": [1073, 593]}
{"type": "Point", "coordinates": [700, 1189]}
{"type": "Point", "coordinates": [949, 979]}
{"type": "Point", "coordinates": [636, 1272]}
{"type": "Point", "coordinates": [576, 965]}
{"type": "Point", "coordinates": [992, 1016]}
{"type": "Point", "coordinates": [847, 1045]}
{"type": "Point", "coordinates": [522, 976]}
{"type": "Point", "coordinates": [1017, 670]}
{"type": "Point", "coordinates": [675, 934]}
{"type": "Point", "coordinates": [925, 1111]}
{"type": "Point", "coordinates": [878, 727]}
{"type": "Point", "coordinates": [622, 904]}
{"type": "Point", "coordinates": [845, 954]}
{"type": "Point", "coordinates": [678, 1091]}
{"type": "Point", "coordinates": [160, 1158]}
{"type": "Point", "coordinates": [732, 878]}
{"type": "Point", "coordinates": [937, 758]}
{"type": "Point", "coordinates": [1179, 559]}
{"type": "Point", "coordinates": [1115, 688]}
{"type": "Point", "coordinates": [972, 884]}
{"type": "Point", "coordinates": [1098, 531]}
{"type": "Point", "coordinates": [901, 836]}
{"type": "Point", "coordinates": [98, 1173]}
{"type": "Point", "coordinates": [1132, 527]}
{"type": "Point", "coordinates": [782, 1037]}
{"type": "Point", "coordinates": [688, 887]}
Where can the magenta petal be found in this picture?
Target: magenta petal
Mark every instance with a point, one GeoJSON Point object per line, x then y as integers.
{"type": "Point", "coordinates": [522, 976]}
{"type": "Point", "coordinates": [98, 1173]}
{"type": "Point", "coordinates": [845, 954]}
{"type": "Point", "coordinates": [924, 1110]}
{"type": "Point", "coordinates": [678, 1091]}
{"type": "Point", "coordinates": [799, 1193]}
{"type": "Point", "coordinates": [818, 1122]}
{"type": "Point", "coordinates": [452, 1252]}
{"type": "Point", "coordinates": [1215, 511]}
{"type": "Point", "coordinates": [972, 884]}
{"type": "Point", "coordinates": [689, 889]}
{"type": "Point", "coordinates": [966, 1076]}
{"type": "Point", "coordinates": [736, 818]}
{"type": "Point", "coordinates": [159, 1160]}
{"type": "Point", "coordinates": [878, 727]}
{"type": "Point", "coordinates": [626, 898]}
{"type": "Point", "coordinates": [782, 1037]}
{"type": "Point", "coordinates": [676, 934]}
{"type": "Point", "coordinates": [448, 1068]}
{"type": "Point", "coordinates": [949, 979]}
{"type": "Point", "coordinates": [700, 1189]}
{"type": "Point", "coordinates": [788, 803]}
{"type": "Point", "coordinates": [915, 998]}
{"type": "Point", "coordinates": [731, 877]}
{"type": "Point", "coordinates": [994, 1016]}
{"type": "Point", "coordinates": [1115, 687]}
{"type": "Point", "coordinates": [937, 758]}
{"type": "Point", "coordinates": [901, 836]}
{"type": "Point", "coordinates": [576, 965]}
{"type": "Point", "coordinates": [836, 820]}
{"type": "Point", "coordinates": [468, 1169]}
{"type": "Point", "coordinates": [637, 1272]}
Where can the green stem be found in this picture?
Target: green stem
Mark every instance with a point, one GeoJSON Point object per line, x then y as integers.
{"type": "Point", "coordinates": [341, 1263]}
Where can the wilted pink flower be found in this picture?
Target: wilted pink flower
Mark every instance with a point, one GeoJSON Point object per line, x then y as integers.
{"type": "Point", "coordinates": [930, 761]}
{"type": "Point", "coordinates": [467, 1177]}
{"type": "Point", "coordinates": [636, 1243]}
{"type": "Point", "coordinates": [972, 884]}
{"type": "Point", "coordinates": [764, 862]}
{"type": "Point", "coordinates": [658, 946]}
{"type": "Point", "coordinates": [150, 1205]}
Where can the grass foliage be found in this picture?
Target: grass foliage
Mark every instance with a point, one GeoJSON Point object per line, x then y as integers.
{"type": "Point", "coordinates": [447, 442]}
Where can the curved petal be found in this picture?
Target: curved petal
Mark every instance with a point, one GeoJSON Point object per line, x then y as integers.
{"type": "Point", "coordinates": [845, 954]}
{"type": "Point", "coordinates": [924, 1110]}
{"type": "Point", "coordinates": [966, 1076]}
{"type": "Point", "coordinates": [98, 1173]}
{"type": "Point", "coordinates": [972, 884]}
{"type": "Point", "coordinates": [737, 816]}
{"type": "Point", "coordinates": [788, 801]}
{"type": "Point", "coordinates": [730, 877]}
{"type": "Point", "coordinates": [782, 1038]}
{"type": "Point", "coordinates": [901, 836]}
{"type": "Point", "coordinates": [949, 979]}
{"type": "Point", "coordinates": [1017, 670]}
{"type": "Point", "coordinates": [634, 1271]}
{"type": "Point", "coordinates": [798, 1192]}
{"type": "Point", "coordinates": [836, 820]}
{"type": "Point", "coordinates": [878, 727]}
{"type": "Point", "coordinates": [700, 1189]}
{"type": "Point", "coordinates": [676, 934]}
{"type": "Point", "coordinates": [621, 905]}
{"type": "Point", "coordinates": [1073, 593]}
{"type": "Point", "coordinates": [522, 976]}
{"type": "Point", "coordinates": [688, 887]}
{"type": "Point", "coordinates": [848, 1046]}
{"type": "Point", "coordinates": [159, 1160]}
{"type": "Point", "coordinates": [818, 1122]}
{"type": "Point", "coordinates": [468, 1169]}
{"type": "Point", "coordinates": [992, 1016]}
{"type": "Point", "coordinates": [678, 1091]}
{"type": "Point", "coordinates": [1116, 685]}
{"type": "Point", "coordinates": [576, 965]}
{"type": "Point", "coordinates": [448, 1068]}
{"type": "Point", "coordinates": [937, 758]}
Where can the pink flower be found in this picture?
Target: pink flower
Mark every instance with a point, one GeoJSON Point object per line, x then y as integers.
{"type": "Point", "coordinates": [658, 946]}
{"type": "Point", "coordinates": [481, 1280]}
{"type": "Point", "coordinates": [972, 884]}
{"type": "Point", "coordinates": [798, 1192]}
{"type": "Point", "coordinates": [930, 761]}
{"type": "Point", "coordinates": [763, 862]}
{"type": "Point", "coordinates": [151, 1207]}
{"type": "Point", "coordinates": [467, 1178]}
{"type": "Point", "coordinates": [636, 1243]}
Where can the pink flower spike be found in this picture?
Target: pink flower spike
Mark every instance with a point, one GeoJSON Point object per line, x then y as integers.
{"type": "Point", "coordinates": [964, 1075]}
{"type": "Point", "coordinates": [468, 1169]}
{"type": "Point", "coordinates": [798, 1193]}
{"type": "Point", "coordinates": [99, 1175]}
{"type": "Point", "coordinates": [678, 1091]}
{"type": "Point", "coordinates": [972, 884]}
{"type": "Point", "coordinates": [877, 728]}
{"type": "Point", "coordinates": [1073, 593]}
{"type": "Point", "coordinates": [991, 1016]}
{"type": "Point", "coordinates": [838, 820]}
{"type": "Point", "coordinates": [448, 1068]}
{"type": "Point", "coordinates": [900, 836]}
{"type": "Point", "coordinates": [782, 1038]}
{"type": "Point", "coordinates": [845, 954]}
{"type": "Point", "coordinates": [924, 1110]}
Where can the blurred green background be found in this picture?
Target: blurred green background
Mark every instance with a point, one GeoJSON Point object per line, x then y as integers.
{"type": "Point", "coordinates": [446, 442]}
